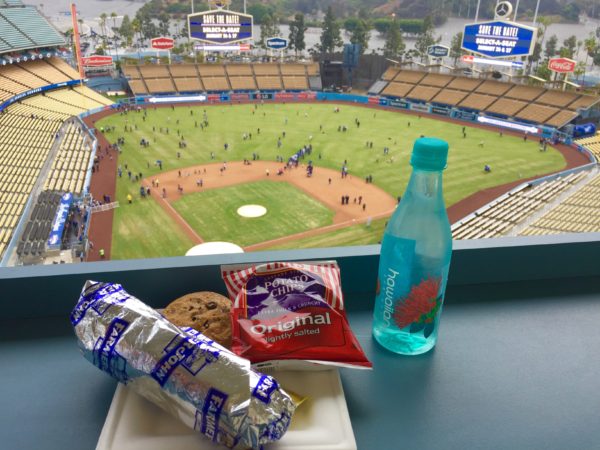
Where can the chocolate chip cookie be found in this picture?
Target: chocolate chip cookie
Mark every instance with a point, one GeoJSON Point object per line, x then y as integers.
{"type": "Point", "coordinates": [207, 312]}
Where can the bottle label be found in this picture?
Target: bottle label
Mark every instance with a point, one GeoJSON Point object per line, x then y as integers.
{"type": "Point", "coordinates": [409, 290]}
{"type": "Point", "coordinates": [395, 266]}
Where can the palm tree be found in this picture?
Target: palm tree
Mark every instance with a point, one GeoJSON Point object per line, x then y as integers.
{"type": "Point", "coordinates": [103, 18]}
{"type": "Point", "coordinates": [113, 16]}
{"type": "Point", "coordinates": [591, 45]}
{"type": "Point", "coordinates": [137, 30]}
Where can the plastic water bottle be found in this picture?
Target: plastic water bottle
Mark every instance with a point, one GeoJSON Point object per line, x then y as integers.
{"type": "Point", "coordinates": [415, 258]}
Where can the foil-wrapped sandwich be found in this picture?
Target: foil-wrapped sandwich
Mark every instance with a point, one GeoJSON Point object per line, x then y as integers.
{"type": "Point", "coordinates": [188, 375]}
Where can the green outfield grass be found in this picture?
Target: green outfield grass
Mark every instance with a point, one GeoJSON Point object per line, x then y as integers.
{"type": "Point", "coordinates": [510, 157]}
{"type": "Point", "coordinates": [213, 213]}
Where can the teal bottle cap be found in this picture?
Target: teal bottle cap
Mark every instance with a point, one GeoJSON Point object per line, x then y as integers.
{"type": "Point", "coordinates": [429, 154]}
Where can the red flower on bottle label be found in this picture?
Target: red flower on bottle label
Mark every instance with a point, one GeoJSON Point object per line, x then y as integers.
{"type": "Point", "coordinates": [419, 308]}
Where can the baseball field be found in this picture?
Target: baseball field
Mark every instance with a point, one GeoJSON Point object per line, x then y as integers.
{"type": "Point", "coordinates": [193, 166]}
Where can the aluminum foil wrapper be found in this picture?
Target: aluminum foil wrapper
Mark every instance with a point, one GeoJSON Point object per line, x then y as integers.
{"type": "Point", "coordinates": [182, 371]}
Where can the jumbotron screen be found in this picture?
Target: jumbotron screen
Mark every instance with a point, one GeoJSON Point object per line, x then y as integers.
{"type": "Point", "coordinates": [220, 27]}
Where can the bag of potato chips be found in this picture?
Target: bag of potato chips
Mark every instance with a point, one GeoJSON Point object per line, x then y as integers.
{"type": "Point", "coordinates": [291, 314]}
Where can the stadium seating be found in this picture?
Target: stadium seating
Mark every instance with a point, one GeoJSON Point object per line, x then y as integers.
{"type": "Point", "coordinates": [269, 82]}
{"type": "Point", "coordinates": [159, 85]}
{"type": "Point", "coordinates": [293, 69]}
{"type": "Point", "coordinates": [506, 106]}
{"type": "Point", "coordinates": [506, 213]}
{"type": "Point", "coordinates": [186, 84]}
{"type": "Point", "coordinates": [557, 98]}
{"type": "Point", "coordinates": [138, 87]}
{"type": "Point", "coordinates": [211, 70]}
{"type": "Point", "coordinates": [132, 72]}
{"type": "Point", "coordinates": [65, 68]}
{"type": "Point", "coordinates": [436, 79]}
{"type": "Point", "coordinates": [592, 143]}
{"type": "Point", "coordinates": [34, 30]}
{"type": "Point", "coordinates": [390, 73]}
{"type": "Point", "coordinates": [28, 131]}
{"type": "Point", "coordinates": [492, 88]}
{"type": "Point", "coordinates": [219, 77]}
{"type": "Point", "coordinates": [449, 97]}
{"type": "Point", "coordinates": [530, 103]}
{"type": "Point", "coordinates": [579, 213]}
{"type": "Point", "coordinates": [424, 93]}
{"type": "Point", "coordinates": [312, 70]}
{"type": "Point", "coordinates": [154, 71]}
{"type": "Point", "coordinates": [477, 101]}
{"type": "Point", "coordinates": [408, 76]}
{"type": "Point", "coordinates": [295, 83]}
{"type": "Point", "coordinates": [215, 83]}
{"type": "Point", "coordinates": [239, 70]}
{"type": "Point", "coordinates": [464, 84]}
{"type": "Point", "coordinates": [33, 239]}
{"type": "Point", "coordinates": [537, 113]}
{"type": "Point", "coordinates": [398, 89]}
{"type": "Point", "coordinates": [524, 93]}
{"type": "Point", "coordinates": [181, 70]}
{"type": "Point", "coordinates": [266, 69]}
{"type": "Point", "coordinates": [71, 163]}
{"type": "Point", "coordinates": [242, 83]}
{"type": "Point", "coordinates": [561, 118]}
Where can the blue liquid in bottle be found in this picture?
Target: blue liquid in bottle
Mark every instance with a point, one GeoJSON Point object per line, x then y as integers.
{"type": "Point", "coordinates": [415, 258]}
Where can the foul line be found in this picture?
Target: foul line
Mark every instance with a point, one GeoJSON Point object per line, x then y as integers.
{"type": "Point", "coordinates": [188, 229]}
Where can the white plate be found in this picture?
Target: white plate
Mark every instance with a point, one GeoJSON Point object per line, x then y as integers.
{"type": "Point", "coordinates": [320, 423]}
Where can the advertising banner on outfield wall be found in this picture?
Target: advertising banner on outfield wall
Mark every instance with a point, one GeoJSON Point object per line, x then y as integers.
{"type": "Point", "coordinates": [440, 110]}
{"type": "Point", "coordinates": [262, 96]}
{"type": "Point", "coordinates": [239, 96]}
{"type": "Point", "coordinates": [419, 107]}
{"type": "Point", "coordinates": [284, 96]}
{"type": "Point", "coordinates": [399, 104]}
{"type": "Point", "coordinates": [464, 115]}
{"type": "Point", "coordinates": [307, 95]}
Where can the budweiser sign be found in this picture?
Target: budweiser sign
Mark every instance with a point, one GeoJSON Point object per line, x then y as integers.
{"type": "Point", "coordinates": [97, 61]}
{"type": "Point", "coordinates": [561, 65]}
{"type": "Point", "coordinates": [162, 43]}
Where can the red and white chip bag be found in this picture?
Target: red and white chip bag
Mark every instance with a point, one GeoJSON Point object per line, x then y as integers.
{"type": "Point", "coordinates": [291, 315]}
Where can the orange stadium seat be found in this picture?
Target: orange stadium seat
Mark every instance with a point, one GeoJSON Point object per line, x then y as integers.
{"type": "Point", "coordinates": [397, 89]}
{"type": "Point", "coordinates": [436, 79]}
{"type": "Point", "coordinates": [269, 82]}
{"type": "Point", "coordinates": [449, 97]}
{"type": "Point", "coordinates": [521, 92]}
{"type": "Point", "coordinates": [425, 93]}
{"type": "Point", "coordinates": [183, 70]}
{"type": "Point", "coordinates": [238, 69]}
{"type": "Point", "coordinates": [242, 82]}
{"type": "Point", "coordinates": [477, 101]}
{"type": "Point", "coordinates": [188, 84]}
{"type": "Point", "coordinates": [493, 88]}
{"type": "Point", "coordinates": [266, 69]}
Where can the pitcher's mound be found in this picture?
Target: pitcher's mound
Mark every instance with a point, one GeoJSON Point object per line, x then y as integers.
{"type": "Point", "coordinates": [252, 211]}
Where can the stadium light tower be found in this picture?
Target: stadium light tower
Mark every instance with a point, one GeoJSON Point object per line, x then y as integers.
{"type": "Point", "coordinates": [537, 7]}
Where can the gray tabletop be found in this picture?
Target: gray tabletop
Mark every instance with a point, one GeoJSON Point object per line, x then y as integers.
{"type": "Point", "coordinates": [516, 367]}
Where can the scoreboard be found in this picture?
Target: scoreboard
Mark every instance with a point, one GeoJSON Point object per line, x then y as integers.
{"type": "Point", "coordinates": [499, 39]}
{"type": "Point", "coordinates": [220, 26]}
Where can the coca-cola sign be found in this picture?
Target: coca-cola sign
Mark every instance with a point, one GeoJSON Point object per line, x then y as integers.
{"type": "Point", "coordinates": [162, 43]}
{"type": "Point", "coordinates": [562, 65]}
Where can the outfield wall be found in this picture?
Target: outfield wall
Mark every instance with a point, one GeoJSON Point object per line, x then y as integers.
{"type": "Point", "coordinates": [507, 123]}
